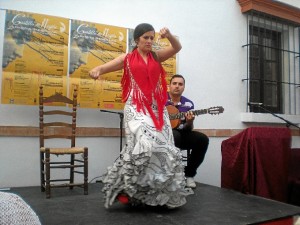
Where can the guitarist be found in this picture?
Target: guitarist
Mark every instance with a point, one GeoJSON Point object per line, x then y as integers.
{"type": "Point", "coordinates": [184, 135]}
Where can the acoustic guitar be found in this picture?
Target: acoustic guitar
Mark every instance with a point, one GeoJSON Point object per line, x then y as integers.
{"type": "Point", "coordinates": [175, 116]}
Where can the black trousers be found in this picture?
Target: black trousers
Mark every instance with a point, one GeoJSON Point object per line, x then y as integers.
{"type": "Point", "coordinates": [197, 142]}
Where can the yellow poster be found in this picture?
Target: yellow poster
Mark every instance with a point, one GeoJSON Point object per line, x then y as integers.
{"type": "Point", "coordinates": [92, 45]}
{"type": "Point", "coordinates": [113, 95]}
{"type": "Point", "coordinates": [35, 53]}
{"type": "Point", "coordinates": [38, 51]}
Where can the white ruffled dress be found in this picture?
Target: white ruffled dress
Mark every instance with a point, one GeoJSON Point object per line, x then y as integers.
{"type": "Point", "coordinates": [150, 169]}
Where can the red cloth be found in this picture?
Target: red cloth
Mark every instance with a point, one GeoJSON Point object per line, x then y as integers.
{"type": "Point", "coordinates": [148, 82]}
{"type": "Point", "coordinates": [294, 178]}
{"type": "Point", "coordinates": [256, 161]}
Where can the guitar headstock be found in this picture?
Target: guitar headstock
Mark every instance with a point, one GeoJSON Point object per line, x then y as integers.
{"type": "Point", "coordinates": [215, 110]}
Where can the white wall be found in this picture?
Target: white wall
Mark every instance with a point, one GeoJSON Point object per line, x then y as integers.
{"type": "Point", "coordinates": [212, 60]}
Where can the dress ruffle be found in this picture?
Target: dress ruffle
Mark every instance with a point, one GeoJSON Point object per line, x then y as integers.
{"type": "Point", "coordinates": [150, 169]}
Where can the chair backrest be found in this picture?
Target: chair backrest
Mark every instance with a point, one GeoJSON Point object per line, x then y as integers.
{"type": "Point", "coordinates": [54, 122]}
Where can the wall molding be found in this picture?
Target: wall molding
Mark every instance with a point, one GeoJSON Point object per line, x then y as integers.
{"type": "Point", "coordinates": [273, 8]}
{"type": "Point", "coordinates": [28, 131]}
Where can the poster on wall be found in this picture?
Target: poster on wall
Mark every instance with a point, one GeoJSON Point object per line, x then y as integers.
{"type": "Point", "coordinates": [91, 45]}
{"type": "Point", "coordinates": [169, 65]}
{"type": "Point", "coordinates": [35, 52]}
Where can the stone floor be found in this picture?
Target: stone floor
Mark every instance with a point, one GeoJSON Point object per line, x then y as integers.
{"type": "Point", "coordinates": [209, 205]}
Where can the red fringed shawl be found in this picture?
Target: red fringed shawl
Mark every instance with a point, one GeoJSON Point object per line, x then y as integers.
{"type": "Point", "coordinates": [147, 82]}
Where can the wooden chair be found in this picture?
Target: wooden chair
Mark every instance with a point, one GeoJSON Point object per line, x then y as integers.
{"type": "Point", "coordinates": [59, 123]}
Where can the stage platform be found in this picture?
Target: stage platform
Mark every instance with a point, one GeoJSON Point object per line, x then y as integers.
{"type": "Point", "coordinates": [208, 206]}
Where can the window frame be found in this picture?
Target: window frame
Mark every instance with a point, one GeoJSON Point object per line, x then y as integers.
{"type": "Point", "coordinates": [288, 104]}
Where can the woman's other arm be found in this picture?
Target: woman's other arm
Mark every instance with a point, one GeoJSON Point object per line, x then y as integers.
{"type": "Point", "coordinates": [113, 65]}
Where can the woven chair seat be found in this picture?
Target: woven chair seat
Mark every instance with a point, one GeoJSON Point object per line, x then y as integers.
{"type": "Point", "coordinates": [61, 151]}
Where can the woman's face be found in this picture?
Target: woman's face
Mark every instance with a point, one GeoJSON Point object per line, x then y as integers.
{"type": "Point", "coordinates": [145, 41]}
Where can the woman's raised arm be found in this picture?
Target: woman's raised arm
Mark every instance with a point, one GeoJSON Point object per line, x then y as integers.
{"type": "Point", "coordinates": [168, 52]}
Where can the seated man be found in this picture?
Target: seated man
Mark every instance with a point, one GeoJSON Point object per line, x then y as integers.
{"type": "Point", "coordinates": [184, 135]}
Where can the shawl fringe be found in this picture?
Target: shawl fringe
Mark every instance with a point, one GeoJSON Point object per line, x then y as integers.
{"type": "Point", "coordinates": [140, 92]}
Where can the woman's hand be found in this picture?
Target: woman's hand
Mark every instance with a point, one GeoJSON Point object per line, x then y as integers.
{"type": "Point", "coordinates": [164, 32]}
{"type": "Point", "coordinates": [95, 73]}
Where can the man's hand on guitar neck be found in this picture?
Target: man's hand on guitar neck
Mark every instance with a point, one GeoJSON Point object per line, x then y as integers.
{"type": "Point", "coordinates": [189, 116]}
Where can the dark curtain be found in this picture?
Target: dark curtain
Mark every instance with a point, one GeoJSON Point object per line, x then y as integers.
{"type": "Point", "coordinates": [256, 161]}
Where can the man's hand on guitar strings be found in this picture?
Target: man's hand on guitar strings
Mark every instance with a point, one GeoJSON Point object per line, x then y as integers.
{"type": "Point", "coordinates": [189, 116]}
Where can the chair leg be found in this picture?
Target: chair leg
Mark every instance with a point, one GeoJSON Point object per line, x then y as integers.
{"type": "Point", "coordinates": [85, 171]}
{"type": "Point", "coordinates": [47, 164]}
{"type": "Point", "coordinates": [42, 171]}
{"type": "Point", "coordinates": [72, 170]}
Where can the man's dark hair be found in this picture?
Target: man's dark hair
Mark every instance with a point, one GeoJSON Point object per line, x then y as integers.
{"type": "Point", "coordinates": [177, 76]}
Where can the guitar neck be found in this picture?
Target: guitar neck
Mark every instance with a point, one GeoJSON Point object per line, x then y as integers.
{"type": "Point", "coordinates": [181, 114]}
